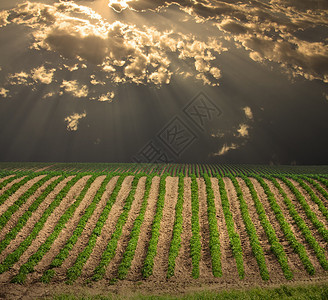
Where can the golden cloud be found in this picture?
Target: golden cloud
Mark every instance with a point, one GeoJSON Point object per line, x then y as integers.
{"type": "Point", "coordinates": [73, 121]}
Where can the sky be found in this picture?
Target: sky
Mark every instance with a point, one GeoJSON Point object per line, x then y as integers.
{"type": "Point", "coordinates": [190, 81]}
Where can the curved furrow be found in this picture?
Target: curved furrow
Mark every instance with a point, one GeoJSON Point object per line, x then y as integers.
{"type": "Point", "coordinates": [166, 229]}
{"type": "Point", "coordinates": [69, 228]}
{"type": "Point", "coordinates": [275, 271]}
{"type": "Point", "coordinates": [110, 226]}
{"type": "Point", "coordinates": [106, 193]}
{"type": "Point", "coordinates": [135, 272]}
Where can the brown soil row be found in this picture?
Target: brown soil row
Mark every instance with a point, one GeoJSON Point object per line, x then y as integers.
{"type": "Point", "coordinates": [182, 278]}
{"type": "Point", "coordinates": [183, 265]}
{"type": "Point", "coordinates": [300, 270]}
{"type": "Point", "coordinates": [46, 230]}
{"type": "Point", "coordinates": [68, 230]}
{"type": "Point", "coordinates": [125, 237]}
{"type": "Point", "coordinates": [6, 177]}
{"type": "Point", "coordinates": [15, 217]}
{"type": "Point", "coordinates": [229, 268]}
{"type": "Point", "coordinates": [250, 263]}
{"type": "Point", "coordinates": [89, 227]}
{"type": "Point", "coordinates": [314, 207]}
{"type": "Point", "coordinates": [26, 230]}
{"type": "Point", "coordinates": [324, 200]}
{"type": "Point", "coordinates": [19, 192]}
{"type": "Point", "coordinates": [301, 212]}
{"type": "Point", "coordinates": [166, 228]}
{"type": "Point", "coordinates": [293, 259]}
{"type": "Point", "coordinates": [10, 184]}
{"type": "Point", "coordinates": [145, 230]}
{"type": "Point", "coordinates": [275, 271]}
{"type": "Point", "coordinates": [205, 264]}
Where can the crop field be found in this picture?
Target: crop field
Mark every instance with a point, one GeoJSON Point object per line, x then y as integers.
{"type": "Point", "coordinates": [159, 169]}
{"type": "Point", "coordinates": [175, 229]}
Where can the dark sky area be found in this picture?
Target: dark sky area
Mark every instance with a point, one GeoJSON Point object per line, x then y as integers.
{"type": "Point", "coordinates": [164, 81]}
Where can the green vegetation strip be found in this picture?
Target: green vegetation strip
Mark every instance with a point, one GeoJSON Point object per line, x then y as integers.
{"type": "Point", "coordinates": [251, 231]}
{"type": "Point", "coordinates": [13, 189]}
{"type": "Point", "coordinates": [313, 196]}
{"type": "Point", "coordinates": [110, 250]}
{"type": "Point", "coordinates": [33, 260]}
{"type": "Point", "coordinates": [299, 248]}
{"type": "Point", "coordinates": [147, 269]}
{"type": "Point", "coordinates": [284, 225]}
{"type": "Point", "coordinates": [309, 213]}
{"type": "Point", "coordinates": [214, 242]}
{"type": "Point", "coordinates": [64, 251]}
{"type": "Point", "coordinates": [276, 247]}
{"type": "Point", "coordinates": [5, 217]}
{"type": "Point", "coordinates": [24, 218]}
{"type": "Point", "coordinates": [8, 180]}
{"type": "Point", "coordinates": [195, 244]}
{"type": "Point", "coordinates": [135, 232]}
{"type": "Point", "coordinates": [283, 292]}
{"type": "Point", "coordinates": [323, 180]}
{"type": "Point", "coordinates": [177, 229]}
{"type": "Point", "coordinates": [75, 271]}
{"type": "Point", "coordinates": [233, 235]}
{"type": "Point", "coordinates": [317, 186]}
{"type": "Point", "coordinates": [14, 256]}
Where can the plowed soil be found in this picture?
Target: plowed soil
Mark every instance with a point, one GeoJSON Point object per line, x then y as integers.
{"type": "Point", "coordinates": [158, 282]}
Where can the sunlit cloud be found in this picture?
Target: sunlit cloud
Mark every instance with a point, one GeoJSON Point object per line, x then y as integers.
{"type": "Point", "coordinates": [3, 18]}
{"type": "Point", "coordinates": [105, 97]}
{"type": "Point", "coordinates": [243, 130]}
{"type": "Point", "coordinates": [43, 75]}
{"type": "Point", "coordinates": [225, 149]}
{"type": "Point", "coordinates": [94, 80]}
{"type": "Point", "coordinates": [73, 121]}
{"type": "Point", "coordinates": [118, 5]}
{"type": "Point", "coordinates": [122, 52]}
{"type": "Point", "coordinates": [248, 113]}
{"type": "Point", "coordinates": [48, 95]}
{"type": "Point", "coordinates": [4, 92]}
{"type": "Point", "coordinates": [266, 29]}
{"type": "Point", "coordinates": [74, 88]}
{"type": "Point", "coordinates": [20, 78]}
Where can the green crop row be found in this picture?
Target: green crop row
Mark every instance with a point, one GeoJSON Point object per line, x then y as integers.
{"type": "Point", "coordinates": [233, 235]}
{"type": "Point", "coordinates": [14, 256]}
{"type": "Point", "coordinates": [15, 187]}
{"type": "Point", "coordinates": [24, 218]}
{"type": "Point", "coordinates": [251, 231]}
{"type": "Point", "coordinates": [8, 180]}
{"type": "Point", "coordinates": [33, 260]}
{"type": "Point", "coordinates": [64, 251]}
{"type": "Point", "coordinates": [195, 244]}
{"type": "Point", "coordinates": [275, 245]}
{"type": "Point", "coordinates": [309, 213]}
{"type": "Point", "coordinates": [298, 248]}
{"type": "Point", "coordinates": [317, 186]}
{"type": "Point", "coordinates": [323, 180]}
{"type": "Point", "coordinates": [147, 269]}
{"type": "Point", "coordinates": [135, 232]}
{"type": "Point", "coordinates": [110, 250]}
{"type": "Point", "coordinates": [75, 271]}
{"type": "Point", "coordinates": [313, 196]}
{"type": "Point", "coordinates": [177, 229]}
{"type": "Point", "coordinates": [214, 241]}
{"type": "Point", "coordinates": [284, 225]}
{"type": "Point", "coordinates": [5, 217]}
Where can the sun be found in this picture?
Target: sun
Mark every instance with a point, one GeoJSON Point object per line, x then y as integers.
{"type": "Point", "coordinates": [118, 5]}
